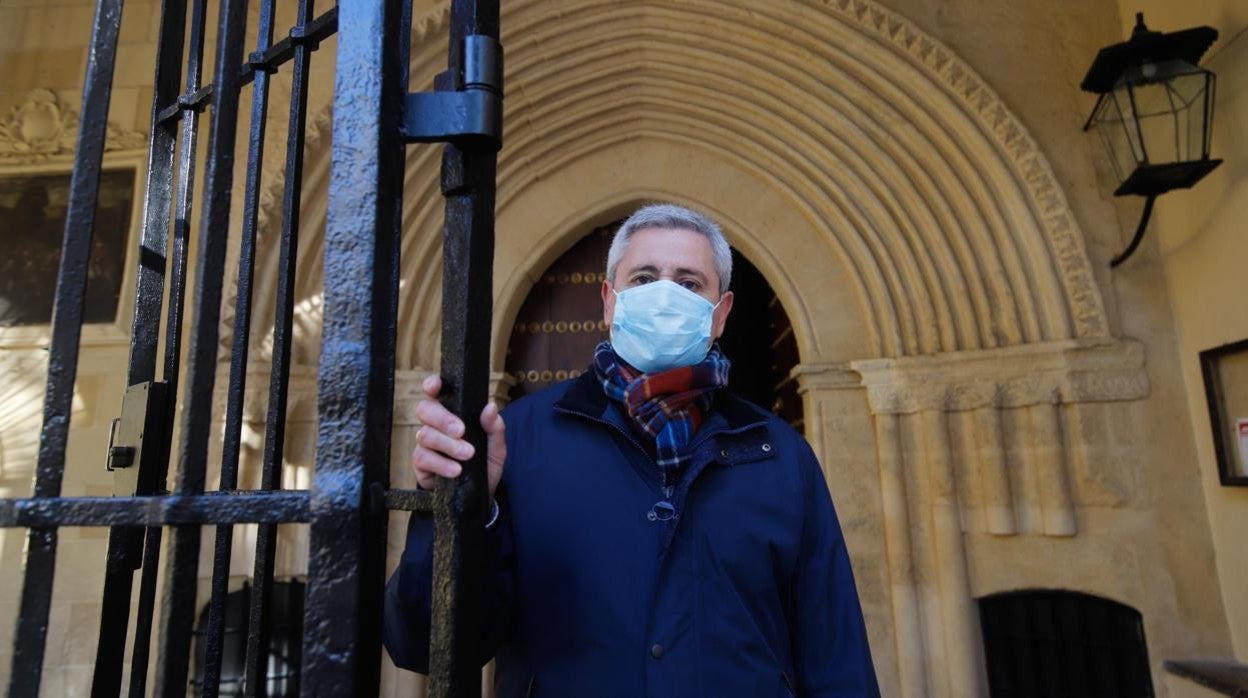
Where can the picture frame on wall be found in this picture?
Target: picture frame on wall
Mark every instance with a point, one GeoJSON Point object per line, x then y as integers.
{"type": "Point", "coordinates": [34, 206]}
{"type": "Point", "coordinates": [33, 197]}
{"type": "Point", "coordinates": [37, 139]}
{"type": "Point", "coordinates": [1225, 371]}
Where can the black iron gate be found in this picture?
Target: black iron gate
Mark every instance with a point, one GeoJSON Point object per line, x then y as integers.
{"type": "Point", "coordinates": [374, 116]}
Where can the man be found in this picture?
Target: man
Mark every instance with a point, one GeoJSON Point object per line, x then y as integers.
{"type": "Point", "coordinates": [650, 534]}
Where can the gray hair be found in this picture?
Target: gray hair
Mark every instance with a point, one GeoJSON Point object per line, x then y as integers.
{"type": "Point", "coordinates": [681, 218]}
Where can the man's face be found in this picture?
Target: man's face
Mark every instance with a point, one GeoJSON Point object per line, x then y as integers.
{"type": "Point", "coordinates": [672, 254]}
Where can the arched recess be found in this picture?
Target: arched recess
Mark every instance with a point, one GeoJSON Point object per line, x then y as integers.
{"type": "Point", "coordinates": [1056, 642]}
{"type": "Point", "coordinates": [911, 179]}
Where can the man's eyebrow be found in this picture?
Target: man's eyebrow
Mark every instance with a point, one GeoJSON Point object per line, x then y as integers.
{"type": "Point", "coordinates": [645, 267]}
{"type": "Point", "coordinates": [680, 271]}
{"type": "Point", "coordinates": [685, 271]}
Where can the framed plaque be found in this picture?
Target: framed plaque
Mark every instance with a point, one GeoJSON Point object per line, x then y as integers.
{"type": "Point", "coordinates": [33, 207]}
{"type": "Point", "coordinates": [1225, 371]}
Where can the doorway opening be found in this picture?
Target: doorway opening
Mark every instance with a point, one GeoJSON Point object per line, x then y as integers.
{"type": "Point", "coordinates": [1043, 643]}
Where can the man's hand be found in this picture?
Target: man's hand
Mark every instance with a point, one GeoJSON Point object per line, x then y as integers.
{"type": "Point", "coordinates": [440, 444]}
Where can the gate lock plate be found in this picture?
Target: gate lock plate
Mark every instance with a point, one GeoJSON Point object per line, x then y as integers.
{"type": "Point", "coordinates": [141, 424]}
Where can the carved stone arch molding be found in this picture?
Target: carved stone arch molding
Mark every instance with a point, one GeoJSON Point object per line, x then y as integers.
{"type": "Point", "coordinates": [925, 189]}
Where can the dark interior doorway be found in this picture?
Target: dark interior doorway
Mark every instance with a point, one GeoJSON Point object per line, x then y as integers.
{"type": "Point", "coordinates": [1060, 644]}
{"type": "Point", "coordinates": [759, 340]}
{"type": "Point", "coordinates": [561, 322]}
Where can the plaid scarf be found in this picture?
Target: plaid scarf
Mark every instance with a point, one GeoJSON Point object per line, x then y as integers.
{"type": "Point", "coordinates": [667, 407]}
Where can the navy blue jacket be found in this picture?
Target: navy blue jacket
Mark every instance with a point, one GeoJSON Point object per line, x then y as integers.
{"type": "Point", "coordinates": [745, 591]}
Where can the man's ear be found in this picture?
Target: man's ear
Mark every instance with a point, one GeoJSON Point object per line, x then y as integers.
{"type": "Point", "coordinates": [608, 303]}
{"type": "Point", "coordinates": [720, 318]}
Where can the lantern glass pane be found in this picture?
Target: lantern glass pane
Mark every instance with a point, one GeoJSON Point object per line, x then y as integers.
{"type": "Point", "coordinates": [1194, 89]}
{"type": "Point", "coordinates": [1161, 122]}
{"type": "Point", "coordinates": [1119, 135]}
{"type": "Point", "coordinates": [1124, 113]}
{"type": "Point", "coordinates": [1170, 110]}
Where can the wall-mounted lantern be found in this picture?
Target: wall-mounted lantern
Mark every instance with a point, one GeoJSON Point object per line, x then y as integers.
{"type": "Point", "coordinates": [1154, 113]}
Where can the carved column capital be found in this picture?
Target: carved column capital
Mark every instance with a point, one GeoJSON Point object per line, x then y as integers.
{"type": "Point", "coordinates": [819, 377]}
{"type": "Point", "coordinates": [1068, 371]}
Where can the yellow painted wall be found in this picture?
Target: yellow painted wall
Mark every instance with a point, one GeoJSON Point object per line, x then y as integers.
{"type": "Point", "coordinates": [1204, 247]}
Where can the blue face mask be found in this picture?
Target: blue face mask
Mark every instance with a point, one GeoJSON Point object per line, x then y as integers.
{"type": "Point", "coordinates": [661, 325]}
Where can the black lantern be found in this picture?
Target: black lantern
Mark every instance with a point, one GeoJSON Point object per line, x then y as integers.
{"type": "Point", "coordinates": [1154, 113]}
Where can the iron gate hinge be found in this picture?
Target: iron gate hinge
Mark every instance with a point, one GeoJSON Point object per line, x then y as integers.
{"type": "Point", "coordinates": [142, 423]}
{"type": "Point", "coordinates": [473, 109]}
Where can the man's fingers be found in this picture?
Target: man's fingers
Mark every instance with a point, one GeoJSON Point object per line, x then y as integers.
{"type": "Point", "coordinates": [430, 465]}
{"type": "Point", "coordinates": [495, 431]}
{"type": "Point", "coordinates": [439, 445]}
{"type": "Point", "coordinates": [435, 440]}
{"type": "Point", "coordinates": [432, 385]}
{"type": "Point", "coordinates": [433, 414]}
{"type": "Point", "coordinates": [492, 421]}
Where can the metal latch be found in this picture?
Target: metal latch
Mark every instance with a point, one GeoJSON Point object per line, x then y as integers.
{"type": "Point", "coordinates": [142, 423]}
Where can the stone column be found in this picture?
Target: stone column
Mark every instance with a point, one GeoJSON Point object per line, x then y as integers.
{"type": "Point", "coordinates": [963, 643]}
{"type": "Point", "coordinates": [1057, 509]}
{"type": "Point", "coordinates": [989, 445]}
{"type": "Point", "coordinates": [838, 425]}
{"type": "Point", "coordinates": [907, 621]}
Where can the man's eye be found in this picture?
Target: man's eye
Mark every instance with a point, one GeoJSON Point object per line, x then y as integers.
{"type": "Point", "coordinates": [643, 279]}
{"type": "Point", "coordinates": [691, 285]}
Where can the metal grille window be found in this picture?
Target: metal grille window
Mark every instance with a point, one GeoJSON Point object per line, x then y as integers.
{"type": "Point", "coordinates": [1041, 644]}
{"type": "Point", "coordinates": [286, 637]}
{"type": "Point", "coordinates": [159, 463]}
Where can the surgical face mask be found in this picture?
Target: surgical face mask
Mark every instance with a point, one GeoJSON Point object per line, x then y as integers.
{"type": "Point", "coordinates": [661, 325]}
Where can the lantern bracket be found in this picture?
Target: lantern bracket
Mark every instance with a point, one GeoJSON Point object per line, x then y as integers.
{"type": "Point", "coordinates": [1139, 233]}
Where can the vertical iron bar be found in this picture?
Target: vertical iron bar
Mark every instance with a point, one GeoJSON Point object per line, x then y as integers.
{"type": "Point", "coordinates": [143, 616]}
{"type": "Point", "coordinates": [144, 338]}
{"type": "Point", "coordinates": [175, 312]}
{"type": "Point", "coordinates": [259, 611]}
{"type": "Point", "coordinates": [178, 607]}
{"type": "Point", "coordinates": [30, 638]}
{"type": "Point", "coordinates": [238, 354]}
{"type": "Point", "coordinates": [468, 172]}
{"type": "Point", "coordinates": [395, 69]}
{"type": "Point", "coordinates": [149, 291]}
{"type": "Point", "coordinates": [341, 644]}
{"type": "Point", "coordinates": [215, 629]}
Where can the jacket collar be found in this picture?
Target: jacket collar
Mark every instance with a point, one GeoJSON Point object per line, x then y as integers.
{"type": "Point", "coordinates": [728, 413]}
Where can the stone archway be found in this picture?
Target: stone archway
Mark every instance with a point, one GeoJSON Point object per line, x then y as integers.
{"type": "Point", "coordinates": [930, 194]}
{"type": "Point", "coordinates": [958, 369]}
